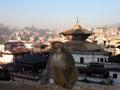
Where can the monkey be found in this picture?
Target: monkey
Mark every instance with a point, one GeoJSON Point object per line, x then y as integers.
{"type": "Point", "coordinates": [61, 66]}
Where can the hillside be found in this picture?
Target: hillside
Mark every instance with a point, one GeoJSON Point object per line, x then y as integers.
{"type": "Point", "coordinates": [25, 34]}
{"type": "Point", "coordinates": [115, 25]}
{"type": "Point", "coordinates": [5, 33]}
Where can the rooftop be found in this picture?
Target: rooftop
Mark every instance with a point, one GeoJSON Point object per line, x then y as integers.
{"type": "Point", "coordinates": [77, 29]}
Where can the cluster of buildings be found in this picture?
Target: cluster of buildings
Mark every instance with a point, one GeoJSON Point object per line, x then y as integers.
{"type": "Point", "coordinates": [87, 48]}
{"type": "Point", "coordinates": [31, 34]}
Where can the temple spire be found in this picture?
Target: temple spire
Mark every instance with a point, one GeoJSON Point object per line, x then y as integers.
{"type": "Point", "coordinates": [77, 26]}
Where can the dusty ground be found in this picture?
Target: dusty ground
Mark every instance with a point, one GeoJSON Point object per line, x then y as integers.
{"type": "Point", "coordinates": [15, 85]}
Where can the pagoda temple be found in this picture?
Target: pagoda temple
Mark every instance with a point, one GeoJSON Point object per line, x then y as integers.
{"type": "Point", "coordinates": [77, 32]}
{"type": "Point", "coordinates": [83, 51]}
{"type": "Point", "coordinates": [77, 39]}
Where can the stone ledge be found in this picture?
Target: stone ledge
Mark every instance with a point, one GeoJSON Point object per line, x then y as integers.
{"type": "Point", "coordinates": [10, 85]}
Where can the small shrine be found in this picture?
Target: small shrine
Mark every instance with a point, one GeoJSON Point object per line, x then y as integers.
{"type": "Point", "coordinates": [29, 67]}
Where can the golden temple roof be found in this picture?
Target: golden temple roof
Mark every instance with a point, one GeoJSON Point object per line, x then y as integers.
{"type": "Point", "coordinates": [77, 29]}
{"type": "Point", "coordinates": [77, 26]}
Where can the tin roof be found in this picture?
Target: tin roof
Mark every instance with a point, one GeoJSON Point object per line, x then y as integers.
{"type": "Point", "coordinates": [31, 59]}
{"type": "Point", "coordinates": [20, 50]}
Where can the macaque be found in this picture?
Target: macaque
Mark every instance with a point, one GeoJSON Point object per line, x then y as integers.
{"type": "Point", "coordinates": [61, 66]}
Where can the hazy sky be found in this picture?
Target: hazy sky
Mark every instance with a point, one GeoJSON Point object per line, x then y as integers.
{"type": "Point", "coordinates": [59, 14]}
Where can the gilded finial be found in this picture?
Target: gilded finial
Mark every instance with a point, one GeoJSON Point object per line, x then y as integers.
{"type": "Point", "coordinates": [77, 20]}
{"type": "Point", "coordinates": [77, 26]}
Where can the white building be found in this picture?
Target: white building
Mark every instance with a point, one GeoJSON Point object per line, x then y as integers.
{"type": "Point", "coordinates": [116, 77]}
{"type": "Point", "coordinates": [88, 57]}
{"type": "Point", "coordinates": [28, 45]}
{"type": "Point", "coordinates": [2, 47]}
{"type": "Point", "coordinates": [101, 40]}
{"type": "Point", "coordinates": [6, 57]}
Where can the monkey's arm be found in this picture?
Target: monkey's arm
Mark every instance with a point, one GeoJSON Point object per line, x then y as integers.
{"type": "Point", "coordinates": [49, 68]}
{"type": "Point", "coordinates": [46, 79]}
{"type": "Point", "coordinates": [68, 73]}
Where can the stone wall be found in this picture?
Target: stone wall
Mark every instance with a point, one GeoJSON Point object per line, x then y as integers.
{"type": "Point", "coordinates": [36, 86]}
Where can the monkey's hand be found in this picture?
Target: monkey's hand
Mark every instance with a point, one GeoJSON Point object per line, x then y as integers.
{"type": "Point", "coordinates": [51, 81]}
{"type": "Point", "coordinates": [69, 85]}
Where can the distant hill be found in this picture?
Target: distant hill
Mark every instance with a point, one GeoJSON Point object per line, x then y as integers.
{"type": "Point", "coordinates": [9, 32]}
{"type": "Point", "coordinates": [105, 27]}
{"type": "Point", "coordinates": [116, 25]}
{"type": "Point", "coordinates": [5, 33]}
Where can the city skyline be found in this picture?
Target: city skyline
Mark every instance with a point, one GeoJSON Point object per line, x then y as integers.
{"type": "Point", "coordinates": [59, 14]}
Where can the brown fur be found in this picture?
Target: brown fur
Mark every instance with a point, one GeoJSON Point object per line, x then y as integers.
{"type": "Point", "coordinates": [61, 67]}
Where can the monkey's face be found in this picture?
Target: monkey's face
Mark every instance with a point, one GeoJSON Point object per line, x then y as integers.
{"type": "Point", "coordinates": [57, 47]}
